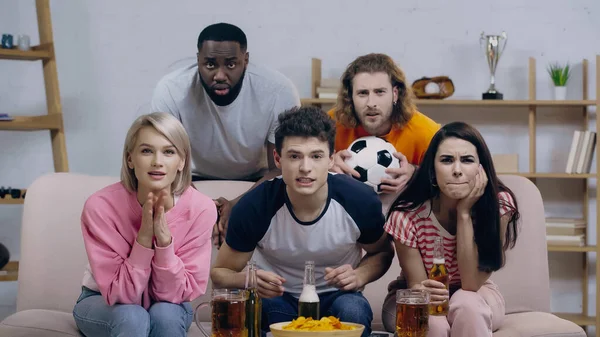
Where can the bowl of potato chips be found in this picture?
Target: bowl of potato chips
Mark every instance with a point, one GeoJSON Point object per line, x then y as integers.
{"type": "Point", "coordinates": [326, 326]}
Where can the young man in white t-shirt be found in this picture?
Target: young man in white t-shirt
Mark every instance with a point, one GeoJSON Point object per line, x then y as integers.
{"type": "Point", "coordinates": [307, 214]}
{"type": "Point", "coordinates": [229, 107]}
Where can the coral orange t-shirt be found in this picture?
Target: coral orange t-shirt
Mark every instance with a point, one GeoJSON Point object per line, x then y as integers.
{"type": "Point", "coordinates": [411, 140]}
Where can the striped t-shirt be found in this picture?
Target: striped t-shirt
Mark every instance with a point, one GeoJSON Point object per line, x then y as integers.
{"type": "Point", "coordinates": [419, 228]}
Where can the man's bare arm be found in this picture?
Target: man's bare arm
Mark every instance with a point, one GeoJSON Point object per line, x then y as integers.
{"type": "Point", "coordinates": [227, 269]}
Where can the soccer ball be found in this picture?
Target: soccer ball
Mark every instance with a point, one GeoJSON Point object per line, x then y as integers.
{"type": "Point", "coordinates": [370, 157]}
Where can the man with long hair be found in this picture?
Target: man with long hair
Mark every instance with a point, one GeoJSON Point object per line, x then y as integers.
{"type": "Point", "coordinates": [229, 108]}
{"type": "Point", "coordinates": [376, 101]}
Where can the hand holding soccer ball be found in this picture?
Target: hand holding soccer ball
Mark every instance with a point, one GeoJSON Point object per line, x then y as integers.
{"type": "Point", "coordinates": [371, 156]}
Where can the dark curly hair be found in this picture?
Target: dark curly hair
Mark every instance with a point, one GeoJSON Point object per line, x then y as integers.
{"type": "Point", "coordinates": [373, 63]}
{"type": "Point", "coordinates": [306, 121]}
{"type": "Point", "coordinates": [223, 32]}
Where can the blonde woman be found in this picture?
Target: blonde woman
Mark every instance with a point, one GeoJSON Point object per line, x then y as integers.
{"type": "Point", "coordinates": [147, 237]}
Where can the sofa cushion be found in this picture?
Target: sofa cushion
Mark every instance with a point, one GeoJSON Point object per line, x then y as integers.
{"type": "Point", "coordinates": [53, 257]}
{"type": "Point", "coordinates": [39, 322]}
{"type": "Point", "coordinates": [537, 324]}
{"type": "Point", "coordinates": [529, 257]}
{"type": "Point", "coordinates": [50, 323]}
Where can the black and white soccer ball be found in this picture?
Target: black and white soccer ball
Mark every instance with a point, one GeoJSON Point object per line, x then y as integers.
{"type": "Point", "coordinates": [370, 157]}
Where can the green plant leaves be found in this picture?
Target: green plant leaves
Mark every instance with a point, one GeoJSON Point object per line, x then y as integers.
{"type": "Point", "coordinates": [559, 74]}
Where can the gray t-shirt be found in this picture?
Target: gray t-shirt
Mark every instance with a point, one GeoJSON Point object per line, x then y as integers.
{"type": "Point", "coordinates": [228, 142]}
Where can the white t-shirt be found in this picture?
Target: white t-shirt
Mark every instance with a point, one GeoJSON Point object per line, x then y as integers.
{"type": "Point", "coordinates": [228, 142]}
{"type": "Point", "coordinates": [263, 222]}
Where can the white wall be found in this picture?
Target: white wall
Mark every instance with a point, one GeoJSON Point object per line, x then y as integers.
{"type": "Point", "coordinates": [111, 53]}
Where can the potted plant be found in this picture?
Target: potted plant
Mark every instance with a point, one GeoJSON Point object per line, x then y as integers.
{"type": "Point", "coordinates": [560, 76]}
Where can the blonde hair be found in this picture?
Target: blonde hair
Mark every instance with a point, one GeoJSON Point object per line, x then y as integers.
{"type": "Point", "coordinates": [402, 111]}
{"type": "Point", "coordinates": [173, 130]}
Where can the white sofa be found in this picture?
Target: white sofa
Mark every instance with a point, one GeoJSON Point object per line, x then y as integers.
{"type": "Point", "coordinates": [53, 259]}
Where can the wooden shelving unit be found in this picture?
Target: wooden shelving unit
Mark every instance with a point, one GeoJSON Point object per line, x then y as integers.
{"type": "Point", "coordinates": [52, 121]}
{"type": "Point", "coordinates": [457, 102]}
{"type": "Point", "coordinates": [542, 175]}
{"type": "Point", "coordinates": [33, 123]}
{"type": "Point", "coordinates": [530, 106]}
{"type": "Point", "coordinates": [10, 272]}
{"type": "Point", "coordinates": [36, 53]}
{"type": "Point", "coordinates": [11, 201]}
{"type": "Point", "coordinates": [573, 249]}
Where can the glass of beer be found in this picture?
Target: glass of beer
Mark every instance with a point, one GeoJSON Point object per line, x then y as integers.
{"type": "Point", "coordinates": [412, 313]}
{"type": "Point", "coordinates": [439, 273]}
{"type": "Point", "coordinates": [228, 313]}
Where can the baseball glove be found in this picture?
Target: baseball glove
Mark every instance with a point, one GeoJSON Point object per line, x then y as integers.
{"type": "Point", "coordinates": [438, 87]}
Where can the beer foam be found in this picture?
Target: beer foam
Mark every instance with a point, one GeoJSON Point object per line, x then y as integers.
{"type": "Point", "coordinates": [439, 261]}
{"type": "Point", "coordinates": [309, 294]}
{"type": "Point", "coordinates": [411, 300]}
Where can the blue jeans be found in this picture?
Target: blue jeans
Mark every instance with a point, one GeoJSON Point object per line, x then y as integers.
{"type": "Point", "coordinates": [347, 306]}
{"type": "Point", "coordinates": [95, 318]}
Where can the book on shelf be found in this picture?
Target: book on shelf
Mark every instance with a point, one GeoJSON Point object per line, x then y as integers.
{"type": "Point", "coordinates": [558, 221]}
{"type": "Point", "coordinates": [328, 88]}
{"type": "Point", "coordinates": [5, 117]}
{"type": "Point", "coordinates": [565, 231]}
{"type": "Point", "coordinates": [581, 153]}
{"type": "Point", "coordinates": [566, 240]}
{"type": "Point", "coordinates": [327, 95]}
{"type": "Point", "coordinates": [327, 92]}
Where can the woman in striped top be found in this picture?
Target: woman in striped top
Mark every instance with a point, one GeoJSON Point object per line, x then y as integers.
{"type": "Point", "coordinates": [456, 195]}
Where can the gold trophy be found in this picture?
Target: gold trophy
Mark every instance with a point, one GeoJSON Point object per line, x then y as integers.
{"type": "Point", "coordinates": [494, 46]}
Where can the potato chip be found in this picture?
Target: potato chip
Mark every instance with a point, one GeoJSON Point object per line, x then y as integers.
{"type": "Point", "coordinates": [324, 324]}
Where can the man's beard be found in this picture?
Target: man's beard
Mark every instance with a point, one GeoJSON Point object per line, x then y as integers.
{"type": "Point", "coordinates": [380, 128]}
{"type": "Point", "coordinates": [223, 100]}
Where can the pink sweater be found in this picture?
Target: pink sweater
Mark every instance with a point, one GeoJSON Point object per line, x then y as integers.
{"type": "Point", "coordinates": [126, 272]}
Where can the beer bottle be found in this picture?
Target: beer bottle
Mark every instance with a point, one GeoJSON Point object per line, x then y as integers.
{"type": "Point", "coordinates": [308, 303]}
{"type": "Point", "coordinates": [439, 273]}
{"type": "Point", "coordinates": [253, 303]}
